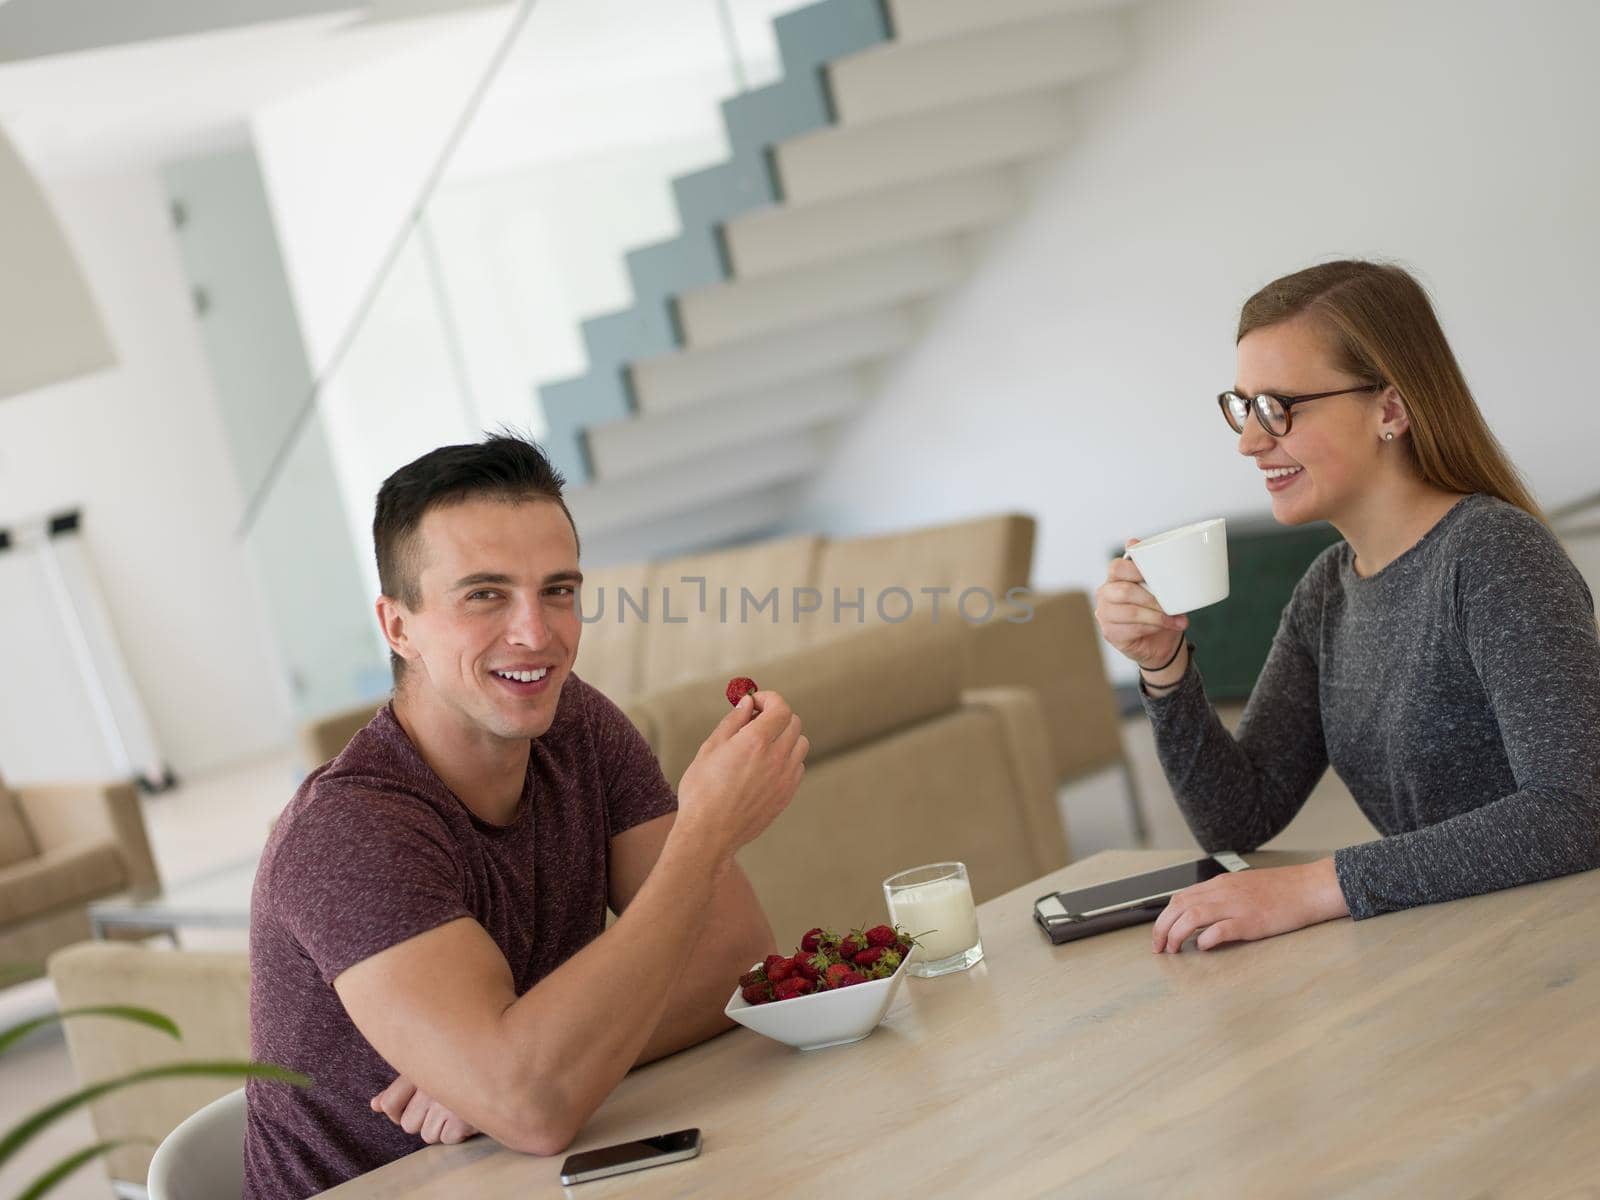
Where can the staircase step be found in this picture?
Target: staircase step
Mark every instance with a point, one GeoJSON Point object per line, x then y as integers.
{"type": "Point", "coordinates": [922, 20]}
{"type": "Point", "coordinates": [786, 237]}
{"type": "Point", "coordinates": [724, 475]}
{"type": "Point", "coordinates": [695, 376]}
{"type": "Point", "coordinates": [718, 193]}
{"type": "Point", "coordinates": [894, 80]}
{"type": "Point", "coordinates": [678, 435]}
{"type": "Point", "coordinates": [817, 34]}
{"type": "Point", "coordinates": [851, 159]}
{"type": "Point", "coordinates": [642, 331]}
{"type": "Point", "coordinates": [571, 406]}
{"type": "Point", "coordinates": [808, 39]}
{"type": "Point", "coordinates": [737, 309]}
{"type": "Point", "coordinates": [662, 270]}
{"type": "Point", "coordinates": [719, 523]}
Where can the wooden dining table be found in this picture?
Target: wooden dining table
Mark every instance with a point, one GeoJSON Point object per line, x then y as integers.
{"type": "Point", "coordinates": [1446, 1051]}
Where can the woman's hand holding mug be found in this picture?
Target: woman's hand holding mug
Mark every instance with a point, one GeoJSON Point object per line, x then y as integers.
{"type": "Point", "coordinates": [1136, 625]}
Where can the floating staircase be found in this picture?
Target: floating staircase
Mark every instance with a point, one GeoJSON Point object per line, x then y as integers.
{"type": "Point", "coordinates": [851, 197]}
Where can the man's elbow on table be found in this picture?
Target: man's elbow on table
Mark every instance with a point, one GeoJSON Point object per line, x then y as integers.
{"type": "Point", "coordinates": [534, 1113]}
{"type": "Point", "coordinates": [539, 1132]}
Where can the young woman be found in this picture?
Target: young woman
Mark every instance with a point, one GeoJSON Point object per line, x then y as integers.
{"type": "Point", "coordinates": [1443, 658]}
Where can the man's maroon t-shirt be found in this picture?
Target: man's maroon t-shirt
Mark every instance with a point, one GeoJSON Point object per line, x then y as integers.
{"type": "Point", "coordinates": [374, 849]}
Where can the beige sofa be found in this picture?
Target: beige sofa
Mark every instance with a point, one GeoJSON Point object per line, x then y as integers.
{"type": "Point", "coordinates": [906, 767]}
{"type": "Point", "coordinates": [61, 846]}
{"type": "Point", "coordinates": [651, 626]}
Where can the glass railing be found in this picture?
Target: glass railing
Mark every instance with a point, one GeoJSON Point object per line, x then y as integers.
{"type": "Point", "coordinates": [448, 216]}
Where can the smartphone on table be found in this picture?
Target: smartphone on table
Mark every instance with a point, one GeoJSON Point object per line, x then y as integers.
{"type": "Point", "coordinates": [631, 1156]}
{"type": "Point", "coordinates": [1067, 916]}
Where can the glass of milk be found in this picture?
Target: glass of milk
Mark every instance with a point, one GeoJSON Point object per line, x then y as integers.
{"type": "Point", "coordinates": [934, 904]}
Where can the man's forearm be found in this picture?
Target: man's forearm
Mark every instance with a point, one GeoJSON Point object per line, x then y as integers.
{"type": "Point", "coordinates": [737, 929]}
{"type": "Point", "coordinates": [575, 1034]}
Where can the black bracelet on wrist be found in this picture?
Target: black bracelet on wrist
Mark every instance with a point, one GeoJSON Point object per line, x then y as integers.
{"type": "Point", "coordinates": [1182, 642]}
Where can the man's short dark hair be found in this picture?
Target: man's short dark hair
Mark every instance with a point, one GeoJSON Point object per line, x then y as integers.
{"type": "Point", "coordinates": [502, 467]}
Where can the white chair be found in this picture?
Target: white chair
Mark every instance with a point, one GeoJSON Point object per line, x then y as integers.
{"type": "Point", "coordinates": [202, 1159]}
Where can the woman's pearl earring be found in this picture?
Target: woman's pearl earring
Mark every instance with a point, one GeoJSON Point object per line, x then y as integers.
{"type": "Point", "coordinates": [1388, 437]}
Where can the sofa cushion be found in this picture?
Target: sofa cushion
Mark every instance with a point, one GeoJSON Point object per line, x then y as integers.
{"type": "Point", "coordinates": [944, 789]}
{"type": "Point", "coordinates": [990, 553]}
{"type": "Point", "coordinates": [72, 874]}
{"type": "Point", "coordinates": [730, 634]}
{"type": "Point", "coordinates": [847, 694]}
{"type": "Point", "coordinates": [16, 843]}
{"type": "Point", "coordinates": [617, 609]}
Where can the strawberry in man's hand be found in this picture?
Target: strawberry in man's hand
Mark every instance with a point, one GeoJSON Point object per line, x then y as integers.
{"type": "Point", "coordinates": [739, 687]}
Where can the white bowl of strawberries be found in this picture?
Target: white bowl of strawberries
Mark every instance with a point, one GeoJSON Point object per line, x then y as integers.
{"type": "Point", "coordinates": [832, 991]}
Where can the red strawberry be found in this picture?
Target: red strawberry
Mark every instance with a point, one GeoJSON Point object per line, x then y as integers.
{"type": "Point", "coordinates": [881, 935]}
{"type": "Point", "coordinates": [868, 956]}
{"type": "Point", "coordinates": [772, 960]}
{"type": "Point", "coordinates": [792, 987]}
{"type": "Point", "coordinates": [835, 975]}
{"type": "Point", "coordinates": [806, 967]}
{"type": "Point", "coordinates": [739, 687]}
{"type": "Point", "coordinates": [781, 970]}
{"type": "Point", "coordinates": [851, 946]}
{"type": "Point", "coordinates": [757, 993]}
{"type": "Point", "coordinates": [759, 975]}
{"type": "Point", "coordinates": [851, 977]}
{"type": "Point", "coordinates": [812, 940]}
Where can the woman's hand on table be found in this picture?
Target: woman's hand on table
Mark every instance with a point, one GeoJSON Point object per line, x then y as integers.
{"type": "Point", "coordinates": [1244, 906]}
{"type": "Point", "coordinates": [419, 1113]}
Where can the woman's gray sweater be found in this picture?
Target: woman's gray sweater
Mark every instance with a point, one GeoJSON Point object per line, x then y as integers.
{"type": "Point", "coordinates": [1456, 693]}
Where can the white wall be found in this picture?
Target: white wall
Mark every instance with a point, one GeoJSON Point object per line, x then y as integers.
{"type": "Point", "coordinates": [140, 450]}
{"type": "Point", "coordinates": [1073, 376]}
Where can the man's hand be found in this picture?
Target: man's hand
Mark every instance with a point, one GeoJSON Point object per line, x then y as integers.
{"type": "Point", "coordinates": [418, 1113]}
{"type": "Point", "coordinates": [744, 775]}
{"type": "Point", "coordinates": [1244, 906]}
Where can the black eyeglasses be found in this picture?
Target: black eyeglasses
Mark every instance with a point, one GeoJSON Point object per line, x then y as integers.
{"type": "Point", "coordinates": [1273, 411]}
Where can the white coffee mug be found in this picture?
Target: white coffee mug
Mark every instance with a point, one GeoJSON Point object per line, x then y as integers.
{"type": "Point", "coordinates": [1185, 568]}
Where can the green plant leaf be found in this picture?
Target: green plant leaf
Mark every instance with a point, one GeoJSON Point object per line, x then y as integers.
{"type": "Point", "coordinates": [70, 1164]}
{"type": "Point", "coordinates": [23, 1132]}
{"type": "Point", "coordinates": [127, 1012]}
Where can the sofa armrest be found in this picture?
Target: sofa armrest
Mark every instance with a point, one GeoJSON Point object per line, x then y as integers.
{"type": "Point", "coordinates": [59, 878]}
{"type": "Point", "coordinates": [62, 814]}
{"type": "Point", "coordinates": [1022, 724]}
{"type": "Point", "coordinates": [1056, 652]}
{"type": "Point", "coordinates": [321, 740]}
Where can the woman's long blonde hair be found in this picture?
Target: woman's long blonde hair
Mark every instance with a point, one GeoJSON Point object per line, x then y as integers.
{"type": "Point", "coordinates": [1384, 329]}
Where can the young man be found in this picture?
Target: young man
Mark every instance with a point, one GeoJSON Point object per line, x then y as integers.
{"type": "Point", "coordinates": [428, 934]}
